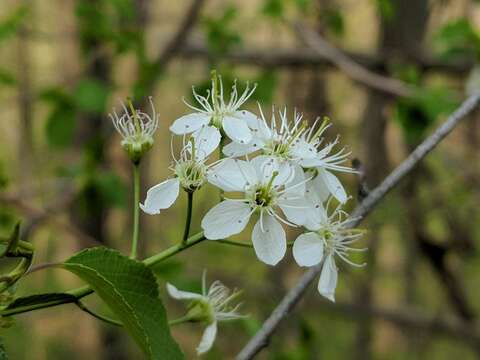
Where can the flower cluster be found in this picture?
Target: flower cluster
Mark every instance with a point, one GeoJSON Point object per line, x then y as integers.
{"type": "Point", "coordinates": [280, 172]}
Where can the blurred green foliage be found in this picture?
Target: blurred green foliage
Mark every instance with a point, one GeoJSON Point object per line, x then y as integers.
{"type": "Point", "coordinates": [458, 38]}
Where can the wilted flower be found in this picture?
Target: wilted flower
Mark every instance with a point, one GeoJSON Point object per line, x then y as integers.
{"type": "Point", "coordinates": [297, 143]}
{"type": "Point", "coordinates": [330, 239]}
{"type": "Point", "coordinates": [189, 172]}
{"type": "Point", "coordinates": [211, 306]}
{"type": "Point", "coordinates": [267, 186]}
{"type": "Point", "coordinates": [218, 115]}
{"type": "Point", "coordinates": [136, 128]}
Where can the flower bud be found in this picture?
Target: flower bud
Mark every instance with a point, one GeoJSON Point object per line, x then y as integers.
{"type": "Point", "coordinates": [137, 129]}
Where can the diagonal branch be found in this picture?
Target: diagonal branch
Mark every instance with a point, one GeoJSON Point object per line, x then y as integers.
{"type": "Point", "coordinates": [260, 340]}
{"type": "Point", "coordinates": [297, 57]}
{"type": "Point", "coordinates": [353, 69]}
{"type": "Point", "coordinates": [179, 38]}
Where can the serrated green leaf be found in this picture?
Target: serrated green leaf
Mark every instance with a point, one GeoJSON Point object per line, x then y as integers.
{"type": "Point", "coordinates": [130, 289]}
{"type": "Point", "coordinates": [91, 95]}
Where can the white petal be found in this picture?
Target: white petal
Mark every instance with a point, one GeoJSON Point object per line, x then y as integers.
{"type": "Point", "coordinates": [317, 190]}
{"type": "Point", "coordinates": [297, 184]}
{"type": "Point", "coordinates": [208, 338]}
{"type": "Point", "coordinates": [328, 279]}
{"type": "Point", "coordinates": [265, 166]}
{"type": "Point", "coordinates": [296, 210]}
{"type": "Point", "coordinates": [161, 196]}
{"type": "Point", "coordinates": [236, 149]}
{"type": "Point", "coordinates": [207, 139]}
{"type": "Point", "coordinates": [308, 249]}
{"type": "Point", "coordinates": [250, 118]}
{"type": "Point", "coordinates": [237, 129]}
{"type": "Point", "coordinates": [232, 175]}
{"type": "Point", "coordinates": [334, 185]}
{"type": "Point", "coordinates": [189, 123]}
{"type": "Point", "coordinates": [301, 149]}
{"type": "Point", "coordinates": [270, 243]}
{"type": "Point", "coordinates": [181, 295]}
{"type": "Point", "coordinates": [226, 219]}
{"type": "Point", "coordinates": [259, 127]}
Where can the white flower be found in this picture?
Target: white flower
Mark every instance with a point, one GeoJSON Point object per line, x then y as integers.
{"type": "Point", "coordinates": [189, 172]}
{"type": "Point", "coordinates": [297, 143]}
{"type": "Point", "coordinates": [330, 239]}
{"type": "Point", "coordinates": [267, 186]}
{"type": "Point", "coordinates": [136, 128]}
{"type": "Point", "coordinates": [210, 306]}
{"type": "Point", "coordinates": [215, 113]}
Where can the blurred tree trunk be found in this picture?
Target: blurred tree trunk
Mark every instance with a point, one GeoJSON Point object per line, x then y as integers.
{"type": "Point", "coordinates": [25, 104]}
{"type": "Point", "coordinates": [90, 211]}
{"type": "Point", "coordinates": [401, 38]}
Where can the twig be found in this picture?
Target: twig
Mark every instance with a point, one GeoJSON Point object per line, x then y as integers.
{"type": "Point", "coordinates": [179, 38]}
{"type": "Point", "coordinates": [354, 70]}
{"type": "Point", "coordinates": [259, 341]}
{"type": "Point", "coordinates": [300, 57]}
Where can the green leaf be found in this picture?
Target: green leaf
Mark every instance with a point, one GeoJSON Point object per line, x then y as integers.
{"type": "Point", "coordinates": [40, 299]}
{"type": "Point", "coordinates": [112, 189]}
{"type": "Point", "coordinates": [385, 8]}
{"type": "Point", "coordinates": [3, 352]}
{"type": "Point", "coordinates": [10, 25]}
{"type": "Point", "coordinates": [334, 21]}
{"type": "Point", "coordinates": [91, 95]}
{"type": "Point", "coordinates": [7, 78]}
{"type": "Point", "coordinates": [273, 8]}
{"type": "Point", "coordinates": [130, 289]}
{"type": "Point", "coordinates": [220, 31]}
{"type": "Point", "coordinates": [457, 38]}
{"type": "Point", "coordinates": [60, 126]}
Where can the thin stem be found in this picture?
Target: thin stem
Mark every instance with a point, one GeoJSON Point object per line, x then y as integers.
{"type": "Point", "coordinates": [172, 250]}
{"type": "Point", "coordinates": [97, 315]}
{"type": "Point", "coordinates": [188, 220]}
{"type": "Point", "coordinates": [180, 320]}
{"type": "Point", "coordinates": [136, 210]}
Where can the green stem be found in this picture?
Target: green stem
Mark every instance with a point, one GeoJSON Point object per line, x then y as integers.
{"type": "Point", "coordinates": [180, 320]}
{"type": "Point", "coordinates": [136, 210]}
{"type": "Point", "coordinates": [97, 315]}
{"type": "Point", "coordinates": [114, 322]}
{"type": "Point", "coordinates": [188, 221]}
{"type": "Point", "coordinates": [172, 250]}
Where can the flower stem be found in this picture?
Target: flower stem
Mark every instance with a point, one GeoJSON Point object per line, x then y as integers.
{"type": "Point", "coordinates": [188, 220]}
{"type": "Point", "coordinates": [101, 317]}
{"type": "Point", "coordinates": [172, 250]}
{"type": "Point", "coordinates": [180, 320]}
{"type": "Point", "coordinates": [136, 210]}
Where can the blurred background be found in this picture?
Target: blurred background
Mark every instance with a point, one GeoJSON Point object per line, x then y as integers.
{"type": "Point", "coordinates": [64, 64]}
